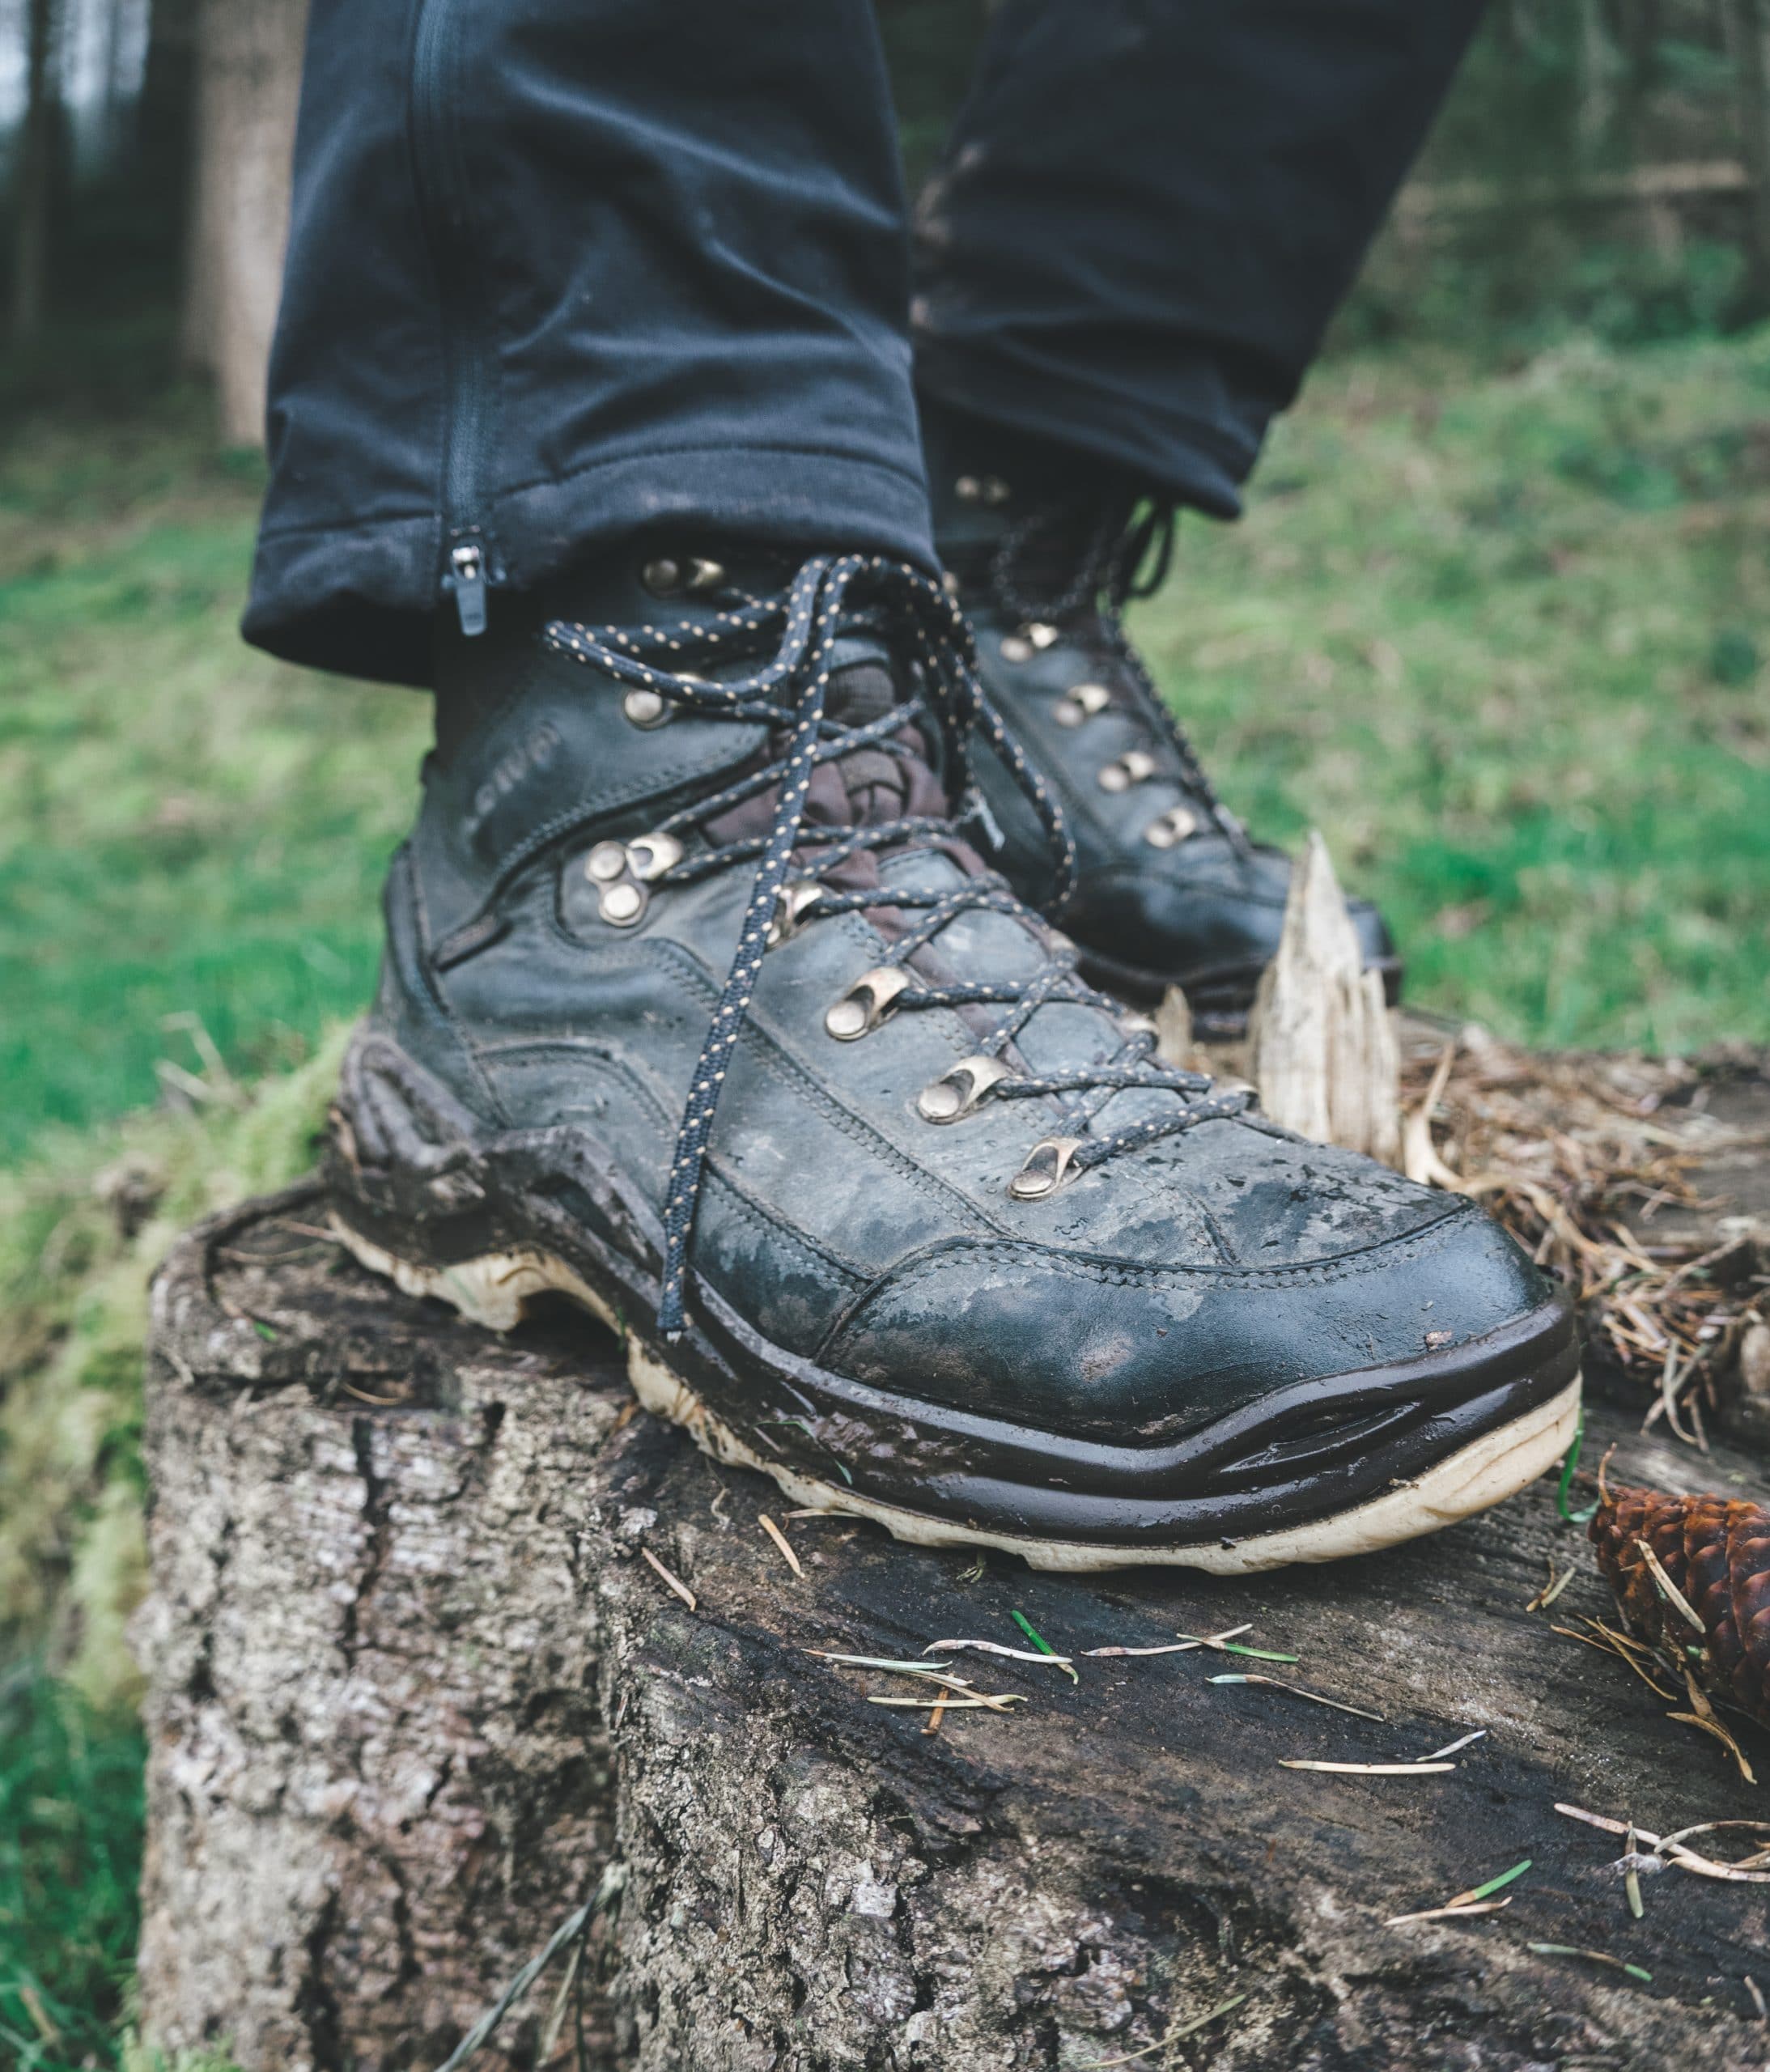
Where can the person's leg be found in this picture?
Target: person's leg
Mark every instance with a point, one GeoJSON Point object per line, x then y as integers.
{"type": "Point", "coordinates": [1149, 210]}
{"type": "Point", "coordinates": [559, 270]}
{"type": "Point", "coordinates": [698, 1003]}
{"type": "Point", "coordinates": [1147, 213]}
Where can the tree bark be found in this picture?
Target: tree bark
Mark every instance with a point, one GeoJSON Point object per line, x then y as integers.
{"type": "Point", "coordinates": [249, 84]}
{"type": "Point", "coordinates": [415, 1686]}
{"type": "Point", "coordinates": [35, 176]}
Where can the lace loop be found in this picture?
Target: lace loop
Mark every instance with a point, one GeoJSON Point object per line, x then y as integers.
{"type": "Point", "coordinates": [831, 596]}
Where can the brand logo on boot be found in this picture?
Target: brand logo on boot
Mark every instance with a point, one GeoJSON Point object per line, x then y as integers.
{"type": "Point", "coordinates": [515, 767]}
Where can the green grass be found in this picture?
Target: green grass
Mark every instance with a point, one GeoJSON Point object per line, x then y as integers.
{"type": "Point", "coordinates": [186, 828]}
{"type": "Point", "coordinates": [1504, 637]}
{"type": "Point", "coordinates": [1507, 642]}
{"type": "Point", "coordinates": [70, 1818]}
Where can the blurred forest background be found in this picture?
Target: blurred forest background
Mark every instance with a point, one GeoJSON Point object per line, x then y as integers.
{"type": "Point", "coordinates": [1498, 621]}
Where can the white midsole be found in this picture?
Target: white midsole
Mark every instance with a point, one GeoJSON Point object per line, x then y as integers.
{"type": "Point", "coordinates": [495, 1289]}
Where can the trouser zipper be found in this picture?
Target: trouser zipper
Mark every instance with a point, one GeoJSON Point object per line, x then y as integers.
{"type": "Point", "coordinates": [466, 578]}
{"type": "Point", "coordinates": [469, 562]}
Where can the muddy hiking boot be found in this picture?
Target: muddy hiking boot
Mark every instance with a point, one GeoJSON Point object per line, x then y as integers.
{"type": "Point", "coordinates": [699, 1005]}
{"type": "Point", "coordinates": [1169, 890]}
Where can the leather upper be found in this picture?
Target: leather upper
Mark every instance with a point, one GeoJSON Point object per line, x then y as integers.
{"type": "Point", "coordinates": [1160, 1288]}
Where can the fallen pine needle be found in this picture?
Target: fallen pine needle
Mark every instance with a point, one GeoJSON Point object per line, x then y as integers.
{"type": "Point", "coordinates": [1608, 1645]}
{"type": "Point", "coordinates": [980, 1701]}
{"type": "Point", "coordinates": [1493, 1885]}
{"type": "Point", "coordinates": [1702, 1714]}
{"type": "Point", "coordinates": [1552, 1590]}
{"type": "Point", "coordinates": [1597, 1956]}
{"type": "Point", "coordinates": [1670, 1589]}
{"type": "Point", "coordinates": [925, 1672]}
{"type": "Point", "coordinates": [937, 1714]}
{"type": "Point", "coordinates": [1631, 1879]}
{"type": "Point", "coordinates": [672, 1582]}
{"type": "Point", "coordinates": [1175, 1647]}
{"type": "Point", "coordinates": [1296, 1691]}
{"type": "Point", "coordinates": [1451, 1747]}
{"type": "Point", "coordinates": [996, 1647]}
{"type": "Point", "coordinates": [1234, 1647]}
{"type": "Point", "coordinates": [1174, 2035]}
{"type": "Point", "coordinates": [1367, 1769]}
{"type": "Point", "coordinates": [1447, 1911]}
{"type": "Point", "coordinates": [1043, 1645]}
{"type": "Point", "coordinates": [782, 1542]}
{"type": "Point", "coordinates": [1672, 1846]}
{"type": "Point", "coordinates": [1757, 1996]}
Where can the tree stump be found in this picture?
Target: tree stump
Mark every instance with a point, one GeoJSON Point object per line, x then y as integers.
{"type": "Point", "coordinates": [415, 1685]}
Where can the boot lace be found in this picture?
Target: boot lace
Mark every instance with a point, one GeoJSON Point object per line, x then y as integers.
{"type": "Point", "coordinates": [832, 596]}
{"type": "Point", "coordinates": [1122, 557]}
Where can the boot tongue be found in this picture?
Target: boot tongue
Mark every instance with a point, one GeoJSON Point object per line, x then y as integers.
{"type": "Point", "coordinates": [868, 786]}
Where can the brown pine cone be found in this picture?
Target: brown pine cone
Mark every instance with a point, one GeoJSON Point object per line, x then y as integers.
{"type": "Point", "coordinates": [1716, 1551]}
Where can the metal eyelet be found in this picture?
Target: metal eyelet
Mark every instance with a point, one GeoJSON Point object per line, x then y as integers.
{"type": "Point", "coordinates": [622, 904]}
{"type": "Point", "coordinates": [1136, 767]}
{"type": "Point", "coordinates": [621, 870]}
{"type": "Point", "coordinates": [866, 1002]}
{"type": "Point", "coordinates": [1047, 1165]}
{"type": "Point", "coordinates": [646, 708]}
{"type": "Point", "coordinates": [1081, 703]}
{"type": "Point", "coordinates": [1015, 649]}
{"type": "Point", "coordinates": [667, 577]}
{"type": "Point", "coordinates": [1169, 829]}
{"type": "Point", "coordinates": [649, 856]}
{"type": "Point", "coordinates": [1135, 1024]}
{"type": "Point", "coordinates": [793, 903]}
{"type": "Point", "coordinates": [1043, 636]}
{"type": "Point", "coordinates": [959, 1089]}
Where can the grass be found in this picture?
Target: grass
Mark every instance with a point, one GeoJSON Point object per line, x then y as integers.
{"type": "Point", "coordinates": [186, 828]}
{"type": "Point", "coordinates": [1505, 637]}
{"type": "Point", "coordinates": [1507, 642]}
{"type": "Point", "coordinates": [70, 1818]}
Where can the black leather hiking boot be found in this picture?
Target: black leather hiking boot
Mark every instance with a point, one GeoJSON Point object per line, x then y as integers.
{"type": "Point", "coordinates": [1169, 889]}
{"type": "Point", "coordinates": [698, 1005]}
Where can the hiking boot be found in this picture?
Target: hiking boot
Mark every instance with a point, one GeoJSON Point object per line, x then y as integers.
{"type": "Point", "coordinates": [699, 1006]}
{"type": "Point", "coordinates": [1169, 889]}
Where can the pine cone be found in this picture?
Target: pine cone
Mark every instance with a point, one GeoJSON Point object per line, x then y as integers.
{"type": "Point", "coordinates": [1716, 1551]}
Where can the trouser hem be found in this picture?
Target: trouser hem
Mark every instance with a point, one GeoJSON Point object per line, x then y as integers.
{"type": "Point", "coordinates": [359, 600]}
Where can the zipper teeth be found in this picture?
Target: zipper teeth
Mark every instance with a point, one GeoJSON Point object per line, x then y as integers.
{"type": "Point", "coordinates": [443, 194]}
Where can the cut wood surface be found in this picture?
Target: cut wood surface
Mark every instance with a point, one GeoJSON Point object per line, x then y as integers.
{"type": "Point", "coordinates": [415, 1685]}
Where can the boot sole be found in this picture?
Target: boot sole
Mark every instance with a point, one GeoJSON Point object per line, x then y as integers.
{"type": "Point", "coordinates": [496, 1289]}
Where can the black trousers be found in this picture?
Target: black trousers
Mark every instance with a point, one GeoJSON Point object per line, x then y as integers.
{"type": "Point", "coordinates": [562, 270]}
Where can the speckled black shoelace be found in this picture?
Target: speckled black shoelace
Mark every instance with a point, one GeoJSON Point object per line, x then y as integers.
{"type": "Point", "coordinates": [1121, 558]}
{"type": "Point", "coordinates": [833, 595]}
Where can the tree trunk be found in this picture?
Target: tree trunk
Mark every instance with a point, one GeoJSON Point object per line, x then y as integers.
{"type": "Point", "coordinates": [249, 84]}
{"type": "Point", "coordinates": [36, 175]}
{"type": "Point", "coordinates": [416, 1685]}
{"type": "Point", "coordinates": [1748, 39]}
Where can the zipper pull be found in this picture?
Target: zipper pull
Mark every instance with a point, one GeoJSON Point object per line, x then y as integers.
{"type": "Point", "coordinates": [467, 578]}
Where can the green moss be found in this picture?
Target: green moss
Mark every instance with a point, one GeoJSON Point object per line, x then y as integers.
{"type": "Point", "coordinates": [75, 1257]}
